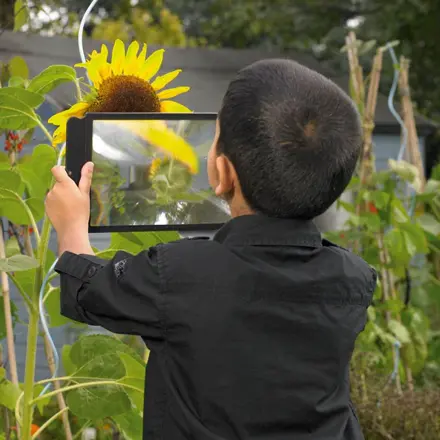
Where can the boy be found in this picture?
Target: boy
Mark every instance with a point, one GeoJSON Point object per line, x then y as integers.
{"type": "Point", "coordinates": [250, 333]}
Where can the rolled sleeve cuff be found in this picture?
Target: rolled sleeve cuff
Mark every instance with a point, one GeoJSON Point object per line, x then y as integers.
{"type": "Point", "coordinates": [76, 271]}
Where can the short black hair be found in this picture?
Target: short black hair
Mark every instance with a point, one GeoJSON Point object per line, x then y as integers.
{"type": "Point", "coordinates": [293, 136]}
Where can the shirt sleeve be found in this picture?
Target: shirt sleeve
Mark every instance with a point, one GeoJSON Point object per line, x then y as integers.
{"type": "Point", "coordinates": [123, 295]}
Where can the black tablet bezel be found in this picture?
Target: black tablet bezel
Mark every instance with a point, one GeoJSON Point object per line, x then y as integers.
{"type": "Point", "coordinates": [79, 152]}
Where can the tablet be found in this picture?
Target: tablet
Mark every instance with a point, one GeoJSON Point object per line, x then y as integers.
{"type": "Point", "coordinates": [150, 170]}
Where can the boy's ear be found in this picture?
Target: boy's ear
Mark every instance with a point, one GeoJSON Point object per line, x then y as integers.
{"type": "Point", "coordinates": [226, 176]}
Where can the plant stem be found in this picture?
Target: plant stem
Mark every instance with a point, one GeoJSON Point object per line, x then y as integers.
{"type": "Point", "coordinates": [79, 95]}
{"type": "Point", "coordinates": [57, 385]}
{"type": "Point", "coordinates": [24, 295]}
{"type": "Point", "coordinates": [33, 328]}
{"type": "Point", "coordinates": [45, 131]}
{"type": "Point", "coordinates": [28, 394]}
{"type": "Point", "coordinates": [85, 385]}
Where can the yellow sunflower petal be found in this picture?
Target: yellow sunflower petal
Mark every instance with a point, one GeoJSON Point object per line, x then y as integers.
{"type": "Point", "coordinates": [94, 75]}
{"type": "Point", "coordinates": [59, 135]}
{"type": "Point", "coordinates": [173, 107]}
{"type": "Point", "coordinates": [118, 57]}
{"type": "Point", "coordinates": [173, 146]}
{"type": "Point", "coordinates": [152, 65]}
{"type": "Point", "coordinates": [77, 110]}
{"type": "Point", "coordinates": [172, 93]}
{"type": "Point", "coordinates": [161, 81]}
{"type": "Point", "coordinates": [131, 57]}
{"type": "Point", "coordinates": [140, 61]}
{"type": "Point", "coordinates": [104, 52]}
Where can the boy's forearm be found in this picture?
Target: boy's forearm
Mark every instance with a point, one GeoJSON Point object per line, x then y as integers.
{"type": "Point", "coordinates": [77, 243]}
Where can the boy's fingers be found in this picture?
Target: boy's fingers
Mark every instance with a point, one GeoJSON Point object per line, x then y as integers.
{"type": "Point", "coordinates": [60, 174]}
{"type": "Point", "coordinates": [86, 178]}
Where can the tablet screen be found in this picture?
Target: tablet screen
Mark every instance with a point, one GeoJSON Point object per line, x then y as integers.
{"type": "Point", "coordinates": [153, 172]}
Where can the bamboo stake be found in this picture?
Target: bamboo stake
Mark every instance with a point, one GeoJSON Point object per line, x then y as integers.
{"type": "Point", "coordinates": [409, 120]}
{"type": "Point", "coordinates": [8, 317]}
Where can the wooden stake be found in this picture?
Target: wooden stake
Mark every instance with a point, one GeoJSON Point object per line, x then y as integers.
{"type": "Point", "coordinates": [409, 120]}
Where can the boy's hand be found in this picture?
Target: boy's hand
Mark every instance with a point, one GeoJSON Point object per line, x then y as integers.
{"type": "Point", "coordinates": [68, 205]}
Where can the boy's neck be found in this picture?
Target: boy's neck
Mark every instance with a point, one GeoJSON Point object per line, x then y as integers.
{"type": "Point", "coordinates": [240, 209]}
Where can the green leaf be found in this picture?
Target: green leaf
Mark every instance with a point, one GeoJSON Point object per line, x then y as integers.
{"type": "Point", "coordinates": [51, 78]}
{"type": "Point", "coordinates": [17, 81]}
{"type": "Point", "coordinates": [9, 393]}
{"type": "Point", "coordinates": [429, 223]}
{"type": "Point", "coordinates": [43, 403]}
{"type": "Point", "coordinates": [18, 263]}
{"type": "Point", "coordinates": [21, 14]}
{"type": "Point", "coordinates": [16, 209]}
{"type": "Point", "coordinates": [97, 403]}
{"type": "Point", "coordinates": [16, 115]}
{"type": "Point", "coordinates": [12, 247]}
{"type": "Point", "coordinates": [18, 67]}
{"type": "Point", "coordinates": [130, 424]}
{"type": "Point", "coordinates": [414, 237]}
{"type": "Point", "coordinates": [53, 308]}
{"type": "Point", "coordinates": [69, 367]}
{"type": "Point", "coordinates": [134, 376]}
{"type": "Point", "coordinates": [14, 313]}
{"type": "Point", "coordinates": [32, 99]}
{"type": "Point", "coordinates": [396, 245]}
{"type": "Point", "coordinates": [406, 172]}
{"type": "Point", "coordinates": [97, 356]}
{"type": "Point", "coordinates": [399, 331]}
{"type": "Point", "coordinates": [36, 172]}
{"type": "Point", "coordinates": [37, 208]}
{"type": "Point", "coordinates": [11, 181]}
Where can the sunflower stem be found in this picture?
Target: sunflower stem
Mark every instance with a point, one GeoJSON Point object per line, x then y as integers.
{"type": "Point", "coordinates": [79, 94]}
{"type": "Point", "coordinates": [45, 131]}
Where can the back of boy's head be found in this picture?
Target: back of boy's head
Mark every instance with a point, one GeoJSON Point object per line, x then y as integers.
{"type": "Point", "coordinates": [293, 136]}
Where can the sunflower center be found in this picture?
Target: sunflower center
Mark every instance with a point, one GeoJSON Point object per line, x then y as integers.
{"type": "Point", "coordinates": [126, 93]}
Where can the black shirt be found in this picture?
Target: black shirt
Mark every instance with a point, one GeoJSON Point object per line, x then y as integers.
{"type": "Point", "coordinates": [250, 333]}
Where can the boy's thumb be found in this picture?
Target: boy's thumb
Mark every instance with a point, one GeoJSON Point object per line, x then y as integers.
{"type": "Point", "coordinates": [86, 178]}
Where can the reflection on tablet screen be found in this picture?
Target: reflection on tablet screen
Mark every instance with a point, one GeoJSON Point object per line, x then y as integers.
{"type": "Point", "coordinates": [153, 172]}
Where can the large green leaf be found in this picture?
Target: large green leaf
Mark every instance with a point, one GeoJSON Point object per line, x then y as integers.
{"type": "Point", "coordinates": [12, 247]}
{"type": "Point", "coordinates": [397, 248]}
{"type": "Point", "coordinates": [429, 223]}
{"type": "Point", "coordinates": [399, 331]}
{"type": "Point", "coordinates": [16, 115]}
{"type": "Point", "coordinates": [9, 393]}
{"type": "Point", "coordinates": [16, 210]}
{"type": "Point", "coordinates": [36, 171]}
{"type": "Point", "coordinates": [130, 424]}
{"type": "Point", "coordinates": [53, 307]}
{"type": "Point", "coordinates": [414, 237]}
{"type": "Point", "coordinates": [18, 263]}
{"type": "Point", "coordinates": [69, 367]}
{"type": "Point", "coordinates": [97, 356]}
{"type": "Point", "coordinates": [51, 78]}
{"type": "Point", "coordinates": [14, 313]}
{"type": "Point", "coordinates": [134, 376]}
{"type": "Point", "coordinates": [99, 402]}
{"type": "Point", "coordinates": [11, 180]}
{"type": "Point", "coordinates": [32, 99]}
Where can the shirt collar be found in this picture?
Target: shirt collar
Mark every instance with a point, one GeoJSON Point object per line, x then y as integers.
{"type": "Point", "coordinates": [267, 231]}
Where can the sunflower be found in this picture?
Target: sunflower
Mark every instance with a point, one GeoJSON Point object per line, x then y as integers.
{"type": "Point", "coordinates": [124, 84]}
